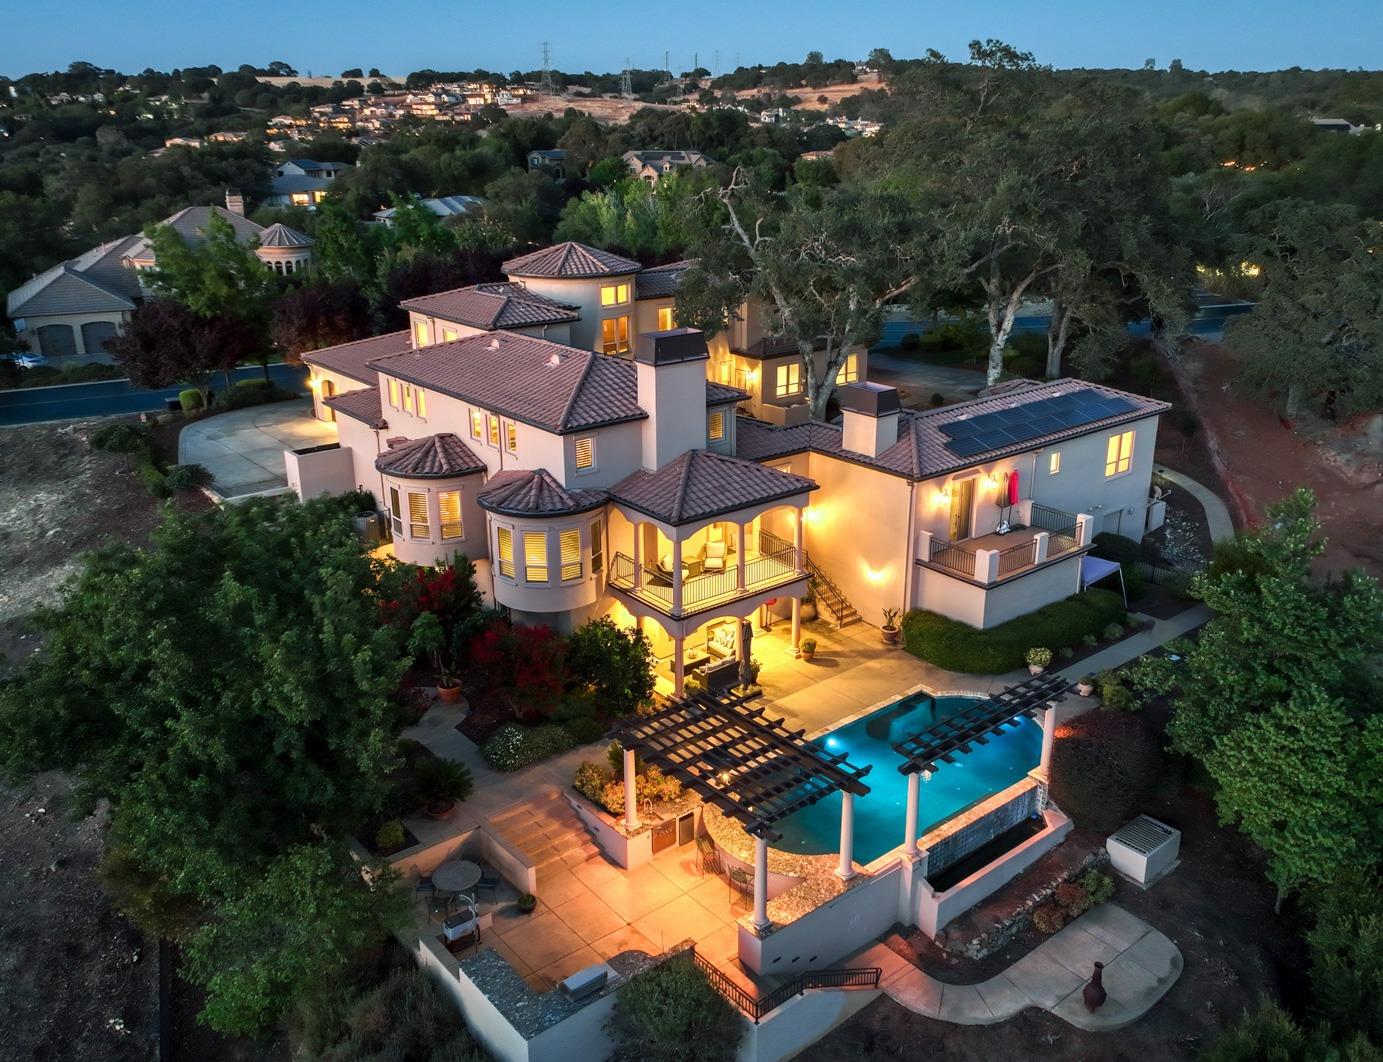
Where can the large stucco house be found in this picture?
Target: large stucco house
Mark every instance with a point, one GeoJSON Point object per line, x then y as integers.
{"type": "Point", "coordinates": [595, 459]}
{"type": "Point", "coordinates": [69, 312]}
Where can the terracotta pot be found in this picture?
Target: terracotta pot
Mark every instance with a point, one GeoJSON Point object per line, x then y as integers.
{"type": "Point", "coordinates": [891, 635]}
{"type": "Point", "coordinates": [1033, 669]}
{"type": "Point", "coordinates": [807, 655]}
{"type": "Point", "coordinates": [440, 809]}
{"type": "Point", "coordinates": [1084, 689]}
{"type": "Point", "coordinates": [1094, 994]}
{"type": "Point", "coordinates": [808, 612]}
{"type": "Point", "coordinates": [449, 694]}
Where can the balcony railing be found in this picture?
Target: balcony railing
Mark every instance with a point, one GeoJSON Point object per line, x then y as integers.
{"type": "Point", "coordinates": [1048, 534]}
{"type": "Point", "coordinates": [1062, 530]}
{"type": "Point", "coordinates": [1017, 557]}
{"type": "Point", "coordinates": [954, 558]}
{"type": "Point", "coordinates": [756, 1007]}
{"type": "Point", "coordinates": [654, 585]}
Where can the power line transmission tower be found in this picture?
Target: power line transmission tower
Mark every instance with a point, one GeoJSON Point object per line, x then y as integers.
{"type": "Point", "coordinates": [626, 82]}
{"type": "Point", "coordinates": [545, 85]}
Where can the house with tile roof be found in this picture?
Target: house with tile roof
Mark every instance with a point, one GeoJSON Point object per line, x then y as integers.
{"type": "Point", "coordinates": [69, 312]}
{"type": "Point", "coordinates": [302, 182]}
{"type": "Point", "coordinates": [638, 486]}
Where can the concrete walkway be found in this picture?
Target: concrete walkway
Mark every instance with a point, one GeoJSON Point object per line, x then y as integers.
{"type": "Point", "coordinates": [243, 449]}
{"type": "Point", "coordinates": [1140, 965]}
{"type": "Point", "coordinates": [1216, 512]}
{"type": "Point", "coordinates": [1136, 645]}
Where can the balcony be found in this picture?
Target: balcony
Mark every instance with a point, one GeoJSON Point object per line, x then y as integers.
{"type": "Point", "coordinates": [775, 563]}
{"type": "Point", "coordinates": [1048, 535]}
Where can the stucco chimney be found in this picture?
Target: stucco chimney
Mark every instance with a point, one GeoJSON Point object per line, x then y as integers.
{"type": "Point", "coordinates": [235, 203]}
{"type": "Point", "coordinates": [672, 391]}
{"type": "Point", "coordinates": [870, 417]}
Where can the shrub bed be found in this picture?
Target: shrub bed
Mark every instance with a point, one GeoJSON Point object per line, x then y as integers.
{"type": "Point", "coordinates": [958, 646]}
{"type": "Point", "coordinates": [251, 393]}
{"type": "Point", "coordinates": [513, 747]}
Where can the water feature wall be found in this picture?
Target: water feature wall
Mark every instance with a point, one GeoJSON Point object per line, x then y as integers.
{"type": "Point", "coordinates": [974, 828]}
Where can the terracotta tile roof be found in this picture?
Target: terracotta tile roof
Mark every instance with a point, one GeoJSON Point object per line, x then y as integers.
{"type": "Point", "coordinates": [570, 259]}
{"type": "Point", "coordinates": [431, 457]}
{"type": "Point", "coordinates": [492, 306]}
{"type": "Point", "coordinates": [702, 484]}
{"type": "Point", "coordinates": [533, 380]}
{"type": "Point", "coordinates": [535, 493]}
{"type": "Point", "coordinates": [660, 282]}
{"type": "Point", "coordinates": [920, 451]}
{"type": "Point", "coordinates": [352, 359]}
{"type": "Point", "coordinates": [362, 405]}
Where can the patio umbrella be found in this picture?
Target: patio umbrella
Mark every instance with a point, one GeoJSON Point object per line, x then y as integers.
{"type": "Point", "coordinates": [746, 641]}
{"type": "Point", "coordinates": [1013, 487]}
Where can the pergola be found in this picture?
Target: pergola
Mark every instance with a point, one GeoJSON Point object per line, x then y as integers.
{"type": "Point", "coordinates": [975, 725]}
{"type": "Point", "coordinates": [751, 767]}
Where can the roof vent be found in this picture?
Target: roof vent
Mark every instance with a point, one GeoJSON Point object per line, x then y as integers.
{"type": "Point", "coordinates": [1144, 850]}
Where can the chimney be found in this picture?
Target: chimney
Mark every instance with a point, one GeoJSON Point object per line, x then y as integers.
{"type": "Point", "coordinates": [870, 417]}
{"type": "Point", "coordinates": [235, 203]}
{"type": "Point", "coordinates": [671, 373]}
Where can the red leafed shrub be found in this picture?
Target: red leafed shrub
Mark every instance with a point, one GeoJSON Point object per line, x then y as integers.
{"type": "Point", "coordinates": [523, 666]}
{"type": "Point", "coordinates": [450, 592]}
{"type": "Point", "coordinates": [1048, 918]}
{"type": "Point", "coordinates": [1072, 897]}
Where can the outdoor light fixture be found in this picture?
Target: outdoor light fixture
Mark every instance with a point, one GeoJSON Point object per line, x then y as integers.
{"type": "Point", "coordinates": [926, 776]}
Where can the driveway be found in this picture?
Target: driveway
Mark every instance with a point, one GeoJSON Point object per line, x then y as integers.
{"type": "Point", "coordinates": [243, 449]}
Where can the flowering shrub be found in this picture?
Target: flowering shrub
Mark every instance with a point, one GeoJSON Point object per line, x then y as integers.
{"type": "Point", "coordinates": [1038, 656]}
{"type": "Point", "coordinates": [406, 592]}
{"type": "Point", "coordinates": [513, 746]}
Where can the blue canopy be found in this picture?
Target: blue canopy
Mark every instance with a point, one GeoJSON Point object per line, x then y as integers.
{"type": "Point", "coordinates": [1093, 569]}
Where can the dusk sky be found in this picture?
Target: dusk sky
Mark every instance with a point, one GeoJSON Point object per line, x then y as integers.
{"type": "Point", "coordinates": [407, 35]}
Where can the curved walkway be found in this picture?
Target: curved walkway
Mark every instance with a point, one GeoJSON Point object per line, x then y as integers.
{"type": "Point", "coordinates": [1140, 966]}
{"type": "Point", "coordinates": [1216, 512]}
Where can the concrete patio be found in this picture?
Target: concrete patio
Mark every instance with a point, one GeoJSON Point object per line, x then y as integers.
{"type": "Point", "coordinates": [243, 449]}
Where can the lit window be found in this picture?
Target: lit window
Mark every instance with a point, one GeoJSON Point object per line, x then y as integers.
{"type": "Point", "coordinates": [417, 515]}
{"type": "Point", "coordinates": [585, 452]}
{"type": "Point", "coordinates": [614, 335]}
{"type": "Point", "coordinates": [1054, 462]}
{"type": "Point", "coordinates": [449, 508]}
{"type": "Point", "coordinates": [300, 199]}
{"type": "Point", "coordinates": [511, 437]}
{"type": "Point", "coordinates": [715, 426]}
{"type": "Point", "coordinates": [506, 552]}
{"type": "Point", "coordinates": [492, 424]}
{"type": "Point", "coordinates": [419, 333]}
{"type": "Point", "coordinates": [395, 511]}
{"type": "Point", "coordinates": [614, 294]}
{"type": "Point", "coordinates": [570, 542]}
{"type": "Point", "coordinates": [665, 319]}
{"type": "Point", "coordinates": [477, 424]}
{"type": "Point", "coordinates": [849, 370]}
{"type": "Point", "coordinates": [394, 393]}
{"type": "Point", "coordinates": [789, 380]}
{"type": "Point", "coordinates": [1118, 457]}
{"type": "Point", "coordinates": [597, 549]}
{"type": "Point", "coordinates": [448, 334]}
{"type": "Point", "coordinates": [407, 398]}
{"type": "Point", "coordinates": [422, 403]}
{"type": "Point", "coordinates": [535, 556]}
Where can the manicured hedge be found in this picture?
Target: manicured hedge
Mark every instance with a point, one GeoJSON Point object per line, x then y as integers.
{"type": "Point", "coordinates": [957, 646]}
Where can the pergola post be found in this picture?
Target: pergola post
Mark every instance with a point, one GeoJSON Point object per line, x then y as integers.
{"type": "Point", "coordinates": [910, 828]}
{"type": "Point", "coordinates": [846, 870]}
{"type": "Point", "coordinates": [760, 883]}
{"type": "Point", "coordinates": [631, 792]}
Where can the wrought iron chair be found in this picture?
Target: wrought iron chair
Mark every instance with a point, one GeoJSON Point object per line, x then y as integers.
{"type": "Point", "coordinates": [489, 882]}
{"type": "Point", "coordinates": [742, 882]}
{"type": "Point", "coordinates": [707, 855]}
{"type": "Point", "coordinates": [441, 903]}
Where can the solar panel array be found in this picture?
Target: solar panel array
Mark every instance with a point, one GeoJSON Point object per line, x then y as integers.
{"type": "Point", "coordinates": [1031, 420]}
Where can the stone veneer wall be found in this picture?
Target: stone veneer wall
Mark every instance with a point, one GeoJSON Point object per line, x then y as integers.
{"type": "Point", "coordinates": [973, 829]}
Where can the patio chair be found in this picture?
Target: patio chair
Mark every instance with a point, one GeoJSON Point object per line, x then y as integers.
{"type": "Point", "coordinates": [489, 882]}
{"type": "Point", "coordinates": [742, 882]}
{"type": "Point", "coordinates": [707, 855]}
{"type": "Point", "coordinates": [422, 883]}
{"type": "Point", "coordinates": [714, 561]}
{"type": "Point", "coordinates": [442, 903]}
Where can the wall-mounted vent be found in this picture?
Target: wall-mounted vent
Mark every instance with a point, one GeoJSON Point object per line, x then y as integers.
{"type": "Point", "coordinates": [1144, 850]}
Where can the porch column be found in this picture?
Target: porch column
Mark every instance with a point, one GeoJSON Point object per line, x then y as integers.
{"type": "Point", "coordinates": [679, 664]}
{"type": "Point", "coordinates": [796, 624]}
{"type": "Point", "coordinates": [798, 534]}
{"type": "Point", "coordinates": [631, 792]}
{"type": "Point", "coordinates": [638, 557]}
{"type": "Point", "coordinates": [677, 578]}
{"type": "Point", "coordinates": [1048, 737]}
{"type": "Point", "coordinates": [760, 883]}
{"type": "Point", "coordinates": [910, 829]}
{"type": "Point", "coordinates": [740, 553]}
{"type": "Point", "coordinates": [846, 870]}
{"type": "Point", "coordinates": [924, 545]}
{"type": "Point", "coordinates": [1085, 529]}
{"type": "Point", "coordinates": [1041, 544]}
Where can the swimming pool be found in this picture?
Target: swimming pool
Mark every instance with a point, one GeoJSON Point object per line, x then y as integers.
{"type": "Point", "coordinates": [880, 816]}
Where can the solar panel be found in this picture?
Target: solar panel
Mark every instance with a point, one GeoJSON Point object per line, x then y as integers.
{"type": "Point", "coordinates": [1007, 427]}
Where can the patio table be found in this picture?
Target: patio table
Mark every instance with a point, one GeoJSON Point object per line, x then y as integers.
{"type": "Point", "coordinates": [458, 875]}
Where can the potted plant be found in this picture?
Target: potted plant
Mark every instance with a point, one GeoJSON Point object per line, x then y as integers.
{"type": "Point", "coordinates": [1085, 685]}
{"type": "Point", "coordinates": [441, 783]}
{"type": "Point", "coordinates": [808, 609]}
{"type": "Point", "coordinates": [427, 639]}
{"type": "Point", "coordinates": [527, 903]}
{"type": "Point", "coordinates": [890, 629]}
{"type": "Point", "coordinates": [808, 648]}
{"type": "Point", "coordinates": [1038, 657]}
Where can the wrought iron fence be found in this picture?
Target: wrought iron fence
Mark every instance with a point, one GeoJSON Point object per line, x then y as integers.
{"type": "Point", "coordinates": [954, 558]}
{"type": "Point", "coordinates": [756, 1008]}
{"type": "Point", "coordinates": [1061, 528]}
{"type": "Point", "coordinates": [1015, 557]}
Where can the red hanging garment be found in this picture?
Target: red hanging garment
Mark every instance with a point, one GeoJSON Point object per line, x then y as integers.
{"type": "Point", "coordinates": [1013, 487]}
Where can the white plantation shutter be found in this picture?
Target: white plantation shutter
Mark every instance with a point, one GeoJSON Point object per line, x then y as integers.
{"type": "Point", "coordinates": [570, 541]}
{"type": "Point", "coordinates": [535, 556]}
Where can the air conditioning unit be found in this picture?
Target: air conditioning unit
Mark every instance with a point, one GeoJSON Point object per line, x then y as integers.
{"type": "Point", "coordinates": [1144, 850]}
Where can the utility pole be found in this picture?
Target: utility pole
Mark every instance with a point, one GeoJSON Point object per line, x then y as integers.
{"type": "Point", "coordinates": [545, 85]}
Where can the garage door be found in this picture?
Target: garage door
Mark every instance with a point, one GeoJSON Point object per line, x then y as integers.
{"type": "Point", "coordinates": [95, 334]}
{"type": "Point", "coordinates": [55, 341]}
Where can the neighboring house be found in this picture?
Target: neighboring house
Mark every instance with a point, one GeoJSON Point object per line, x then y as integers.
{"type": "Point", "coordinates": [586, 485]}
{"type": "Point", "coordinates": [445, 206]}
{"type": "Point", "coordinates": [549, 160]}
{"type": "Point", "coordinates": [650, 165]}
{"type": "Point", "coordinates": [68, 312]}
{"type": "Point", "coordinates": [302, 182]}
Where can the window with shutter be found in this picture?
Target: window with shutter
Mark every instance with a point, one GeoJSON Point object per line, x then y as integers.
{"type": "Point", "coordinates": [492, 424]}
{"type": "Point", "coordinates": [511, 437]}
{"type": "Point", "coordinates": [394, 393]}
{"type": "Point", "coordinates": [597, 549]}
{"type": "Point", "coordinates": [407, 398]}
{"type": "Point", "coordinates": [506, 552]}
{"type": "Point", "coordinates": [395, 511]}
{"type": "Point", "coordinates": [570, 542]}
{"type": "Point", "coordinates": [422, 402]}
{"type": "Point", "coordinates": [715, 426]}
{"type": "Point", "coordinates": [417, 515]}
{"type": "Point", "coordinates": [585, 452]}
{"type": "Point", "coordinates": [535, 556]}
{"type": "Point", "coordinates": [449, 508]}
{"type": "Point", "coordinates": [477, 424]}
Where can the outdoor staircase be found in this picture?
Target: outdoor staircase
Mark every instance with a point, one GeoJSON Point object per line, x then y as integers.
{"type": "Point", "coordinates": [829, 596]}
{"type": "Point", "coordinates": [546, 830]}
